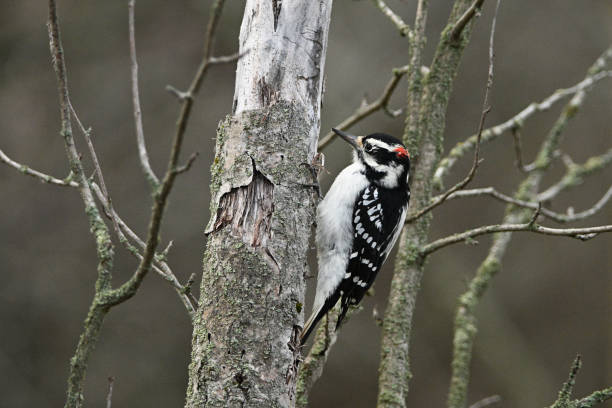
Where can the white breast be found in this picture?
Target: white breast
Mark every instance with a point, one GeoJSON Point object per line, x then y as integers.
{"type": "Point", "coordinates": [335, 229]}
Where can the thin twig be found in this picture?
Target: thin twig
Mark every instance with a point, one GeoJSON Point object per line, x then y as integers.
{"type": "Point", "coordinates": [45, 178]}
{"type": "Point", "coordinates": [565, 394]}
{"type": "Point", "coordinates": [518, 151]}
{"type": "Point", "coordinates": [140, 139]}
{"type": "Point", "coordinates": [124, 231]}
{"type": "Point", "coordinates": [575, 174]}
{"type": "Point", "coordinates": [404, 29]}
{"type": "Point", "coordinates": [465, 317]}
{"type": "Point", "coordinates": [485, 110]}
{"type": "Point", "coordinates": [595, 398]}
{"type": "Point", "coordinates": [485, 402]}
{"type": "Point", "coordinates": [160, 266]}
{"type": "Point", "coordinates": [563, 218]}
{"type": "Point", "coordinates": [517, 120]}
{"type": "Point", "coordinates": [365, 110]}
{"type": "Point", "coordinates": [226, 59]}
{"type": "Point", "coordinates": [470, 13]}
{"type": "Point", "coordinates": [94, 158]}
{"type": "Point", "coordinates": [109, 395]}
{"type": "Point", "coordinates": [583, 234]}
{"type": "Point", "coordinates": [185, 167]}
{"type": "Point", "coordinates": [129, 288]}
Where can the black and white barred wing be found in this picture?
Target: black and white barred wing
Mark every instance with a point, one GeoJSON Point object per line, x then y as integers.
{"type": "Point", "coordinates": [377, 221]}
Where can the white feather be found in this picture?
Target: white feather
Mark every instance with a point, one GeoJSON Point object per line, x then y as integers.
{"type": "Point", "coordinates": [335, 230]}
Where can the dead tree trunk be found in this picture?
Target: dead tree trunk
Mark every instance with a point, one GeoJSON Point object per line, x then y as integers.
{"type": "Point", "coordinates": [262, 209]}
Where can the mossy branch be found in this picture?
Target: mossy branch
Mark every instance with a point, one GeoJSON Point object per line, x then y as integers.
{"type": "Point", "coordinates": [425, 128]}
{"type": "Point", "coordinates": [105, 296]}
{"type": "Point", "coordinates": [516, 219]}
{"type": "Point", "coordinates": [564, 400]}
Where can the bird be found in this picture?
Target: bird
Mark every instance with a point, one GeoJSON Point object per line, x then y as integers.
{"type": "Point", "coordinates": [358, 222]}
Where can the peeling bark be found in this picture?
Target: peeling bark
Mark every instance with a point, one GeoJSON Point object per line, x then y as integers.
{"type": "Point", "coordinates": [263, 206]}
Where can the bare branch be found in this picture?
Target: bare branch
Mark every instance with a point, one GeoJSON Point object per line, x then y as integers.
{"type": "Point", "coordinates": [98, 169]}
{"type": "Point", "coordinates": [535, 216]}
{"type": "Point", "coordinates": [518, 151]}
{"type": "Point", "coordinates": [403, 28]}
{"type": "Point", "coordinates": [45, 178]}
{"type": "Point", "coordinates": [470, 13]}
{"type": "Point", "coordinates": [124, 232]}
{"type": "Point", "coordinates": [226, 59]}
{"type": "Point", "coordinates": [583, 234]}
{"type": "Point", "coordinates": [516, 121]}
{"type": "Point", "coordinates": [367, 109]}
{"type": "Point", "coordinates": [595, 398]}
{"type": "Point", "coordinates": [185, 167]}
{"type": "Point", "coordinates": [161, 267]}
{"type": "Point", "coordinates": [129, 288]}
{"type": "Point", "coordinates": [465, 317]}
{"type": "Point", "coordinates": [104, 247]}
{"type": "Point", "coordinates": [109, 395]}
{"type": "Point", "coordinates": [140, 139]}
{"type": "Point", "coordinates": [565, 394]}
{"type": "Point", "coordinates": [563, 218]}
{"type": "Point", "coordinates": [485, 110]}
{"type": "Point", "coordinates": [575, 174]}
{"type": "Point", "coordinates": [485, 402]}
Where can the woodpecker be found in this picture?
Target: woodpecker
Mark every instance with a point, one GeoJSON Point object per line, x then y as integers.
{"type": "Point", "coordinates": [358, 222]}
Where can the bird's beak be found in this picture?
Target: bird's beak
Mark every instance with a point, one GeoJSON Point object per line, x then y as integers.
{"type": "Point", "coordinates": [354, 141]}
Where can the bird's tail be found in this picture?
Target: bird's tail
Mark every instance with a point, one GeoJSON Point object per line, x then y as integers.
{"type": "Point", "coordinates": [317, 314]}
{"type": "Point", "coordinates": [311, 323]}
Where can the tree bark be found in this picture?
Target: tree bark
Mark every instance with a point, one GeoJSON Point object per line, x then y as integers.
{"type": "Point", "coordinates": [264, 193]}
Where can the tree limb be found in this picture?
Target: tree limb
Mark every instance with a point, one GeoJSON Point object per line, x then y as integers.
{"type": "Point", "coordinates": [403, 28]}
{"type": "Point", "coordinates": [469, 14]}
{"type": "Point", "coordinates": [45, 178]}
{"type": "Point", "coordinates": [104, 247]}
{"type": "Point", "coordinates": [583, 234]}
{"type": "Point", "coordinates": [129, 288]}
{"type": "Point", "coordinates": [575, 174]}
{"type": "Point", "coordinates": [161, 267]}
{"type": "Point", "coordinates": [595, 398]}
{"type": "Point", "coordinates": [485, 402]}
{"type": "Point", "coordinates": [485, 110]}
{"type": "Point", "coordinates": [424, 133]}
{"type": "Point", "coordinates": [516, 121]}
{"type": "Point", "coordinates": [563, 218]}
{"type": "Point", "coordinates": [465, 317]}
{"type": "Point", "coordinates": [94, 158]}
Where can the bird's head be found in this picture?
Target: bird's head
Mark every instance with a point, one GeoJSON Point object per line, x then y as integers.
{"type": "Point", "coordinates": [385, 159]}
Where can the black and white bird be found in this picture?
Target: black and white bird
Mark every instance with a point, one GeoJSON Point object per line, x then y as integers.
{"type": "Point", "coordinates": [358, 222]}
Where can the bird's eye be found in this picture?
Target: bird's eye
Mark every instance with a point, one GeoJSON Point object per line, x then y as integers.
{"type": "Point", "coordinates": [367, 147]}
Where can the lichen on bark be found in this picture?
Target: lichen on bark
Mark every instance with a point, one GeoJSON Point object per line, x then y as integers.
{"type": "Point", "coordinates": [255, 261]}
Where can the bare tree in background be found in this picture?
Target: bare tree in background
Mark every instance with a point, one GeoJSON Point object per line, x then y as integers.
{"type": "Point", "coordinates": [264, 191]}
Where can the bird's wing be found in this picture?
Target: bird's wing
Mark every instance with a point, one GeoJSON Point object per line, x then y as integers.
{"type": "Point", "coordinates": [376, 222]}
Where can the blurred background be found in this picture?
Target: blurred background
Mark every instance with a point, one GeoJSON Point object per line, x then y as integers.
{"type": "Point", "coordinates": [553, 298]}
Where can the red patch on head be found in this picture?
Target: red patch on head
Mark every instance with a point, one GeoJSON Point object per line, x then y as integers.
{"type": "Point", "coordinates": [401, 152]}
